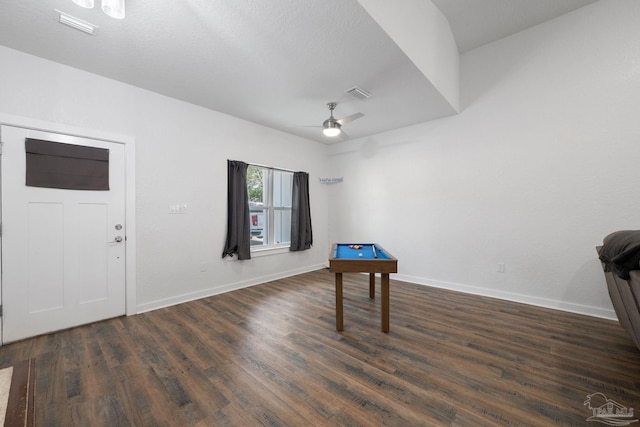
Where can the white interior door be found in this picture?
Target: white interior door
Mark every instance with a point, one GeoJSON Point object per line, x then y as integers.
{"type": "Point", "coordinates": [63, 251]}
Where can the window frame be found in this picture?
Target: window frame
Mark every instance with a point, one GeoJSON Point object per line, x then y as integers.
{"type": "Point", "coordinates": [270, 212]}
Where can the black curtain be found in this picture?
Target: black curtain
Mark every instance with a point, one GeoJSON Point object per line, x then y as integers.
{"type": "Point", "coordinates": [238, 218]}
{"type": "Point", "coordinates": [301, 234]}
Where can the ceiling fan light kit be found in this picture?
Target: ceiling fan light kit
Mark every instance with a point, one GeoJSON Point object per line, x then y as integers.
{"type": "Point", "coordinates": [84, 3]}
{"type": "Point", "coordinates": [332, 127]}
{"type": "Point", "coordinates": [113, 8]}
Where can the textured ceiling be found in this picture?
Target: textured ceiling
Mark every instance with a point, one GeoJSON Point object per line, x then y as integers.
{"type": "Point", "coordinates": [272, 63]}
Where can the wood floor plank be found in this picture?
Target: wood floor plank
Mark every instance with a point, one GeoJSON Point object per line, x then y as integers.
{"type": "Point", "coordinates": [269, 355]}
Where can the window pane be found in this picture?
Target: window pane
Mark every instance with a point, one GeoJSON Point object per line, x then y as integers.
{"type": "Point", "coordinates": [258, 227]}
{"type": "Point", "coordinates": [255, 185]}
{"type": "Point", "coordinates": [282, 185]}
{"type": "Point", "coordinates": [282, 226]}
{"type": "Point", "coordinates": [256, 177]}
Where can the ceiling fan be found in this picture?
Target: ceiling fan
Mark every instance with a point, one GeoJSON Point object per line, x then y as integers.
{"type": "Point", "coordinates": [332, 127]}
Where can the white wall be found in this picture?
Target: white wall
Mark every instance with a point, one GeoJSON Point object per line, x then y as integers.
{"type": "Point", "coordinates": [422, 31]}
{"type": "Point", "coordinates": [541, 164]}
{"type": "Point", "coordinates": [181, 154]}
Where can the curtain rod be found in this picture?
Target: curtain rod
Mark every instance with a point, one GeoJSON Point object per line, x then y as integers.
{"type": "Point", "coordinates": [271, 167]}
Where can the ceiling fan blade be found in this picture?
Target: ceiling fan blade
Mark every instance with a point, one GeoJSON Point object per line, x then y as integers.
{"type": "Point", "coordinates": [350, 118]}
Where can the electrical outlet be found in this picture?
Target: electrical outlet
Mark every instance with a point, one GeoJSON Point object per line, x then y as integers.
{"type": "Point", "coordinates": [501, 267]}
{"type": "Point", "coordinates": [203, 266]}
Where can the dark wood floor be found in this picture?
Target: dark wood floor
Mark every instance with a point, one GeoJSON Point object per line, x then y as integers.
{"type": "Point", "coordinates": [270, 355]}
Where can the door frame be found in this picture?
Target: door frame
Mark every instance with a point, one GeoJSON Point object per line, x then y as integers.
{"type": "Point", "coordinates": [130, 193]}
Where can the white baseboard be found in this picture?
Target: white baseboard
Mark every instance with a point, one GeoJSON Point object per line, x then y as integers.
{"type": "Point", "coordinates": [508, 296]}
{"type": "Point", "coordinates": [191, 296]}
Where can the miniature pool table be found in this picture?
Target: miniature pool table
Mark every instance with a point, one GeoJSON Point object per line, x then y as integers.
{"type": "Point", "coordinates": [362, 258]}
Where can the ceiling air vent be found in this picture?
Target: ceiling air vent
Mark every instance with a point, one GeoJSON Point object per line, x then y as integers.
{"type": "Point", "coordinates": [78, 24]}
{"type": "Point", "coordinates": [358, 93]}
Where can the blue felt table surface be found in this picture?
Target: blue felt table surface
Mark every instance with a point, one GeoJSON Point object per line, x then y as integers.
{"type": "Point", "coordinates": [343, 251]}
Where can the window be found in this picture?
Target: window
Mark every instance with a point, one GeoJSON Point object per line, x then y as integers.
{"type": "Point", "coordinates": [270, 206]}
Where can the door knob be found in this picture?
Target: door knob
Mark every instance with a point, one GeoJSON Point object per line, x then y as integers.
{"type": "Point", "coordinates": [117, 239]}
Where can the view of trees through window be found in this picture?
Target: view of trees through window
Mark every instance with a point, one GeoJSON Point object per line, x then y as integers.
{"type": "Point", "coordinates": [269, 193]}
{"type": "Point", "coordinates": [255, 177]}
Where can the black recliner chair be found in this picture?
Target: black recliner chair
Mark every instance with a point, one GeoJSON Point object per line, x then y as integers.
{"type": "Point", "coordinates": [620, 256]}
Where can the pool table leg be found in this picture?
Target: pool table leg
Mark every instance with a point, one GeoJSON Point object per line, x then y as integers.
{"type": "Point", "coordinates": [339, 313]}
{"type": "Point", "coordinates": [372, 285]}
{"type": "Point", "coordinates": [385, 302]}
